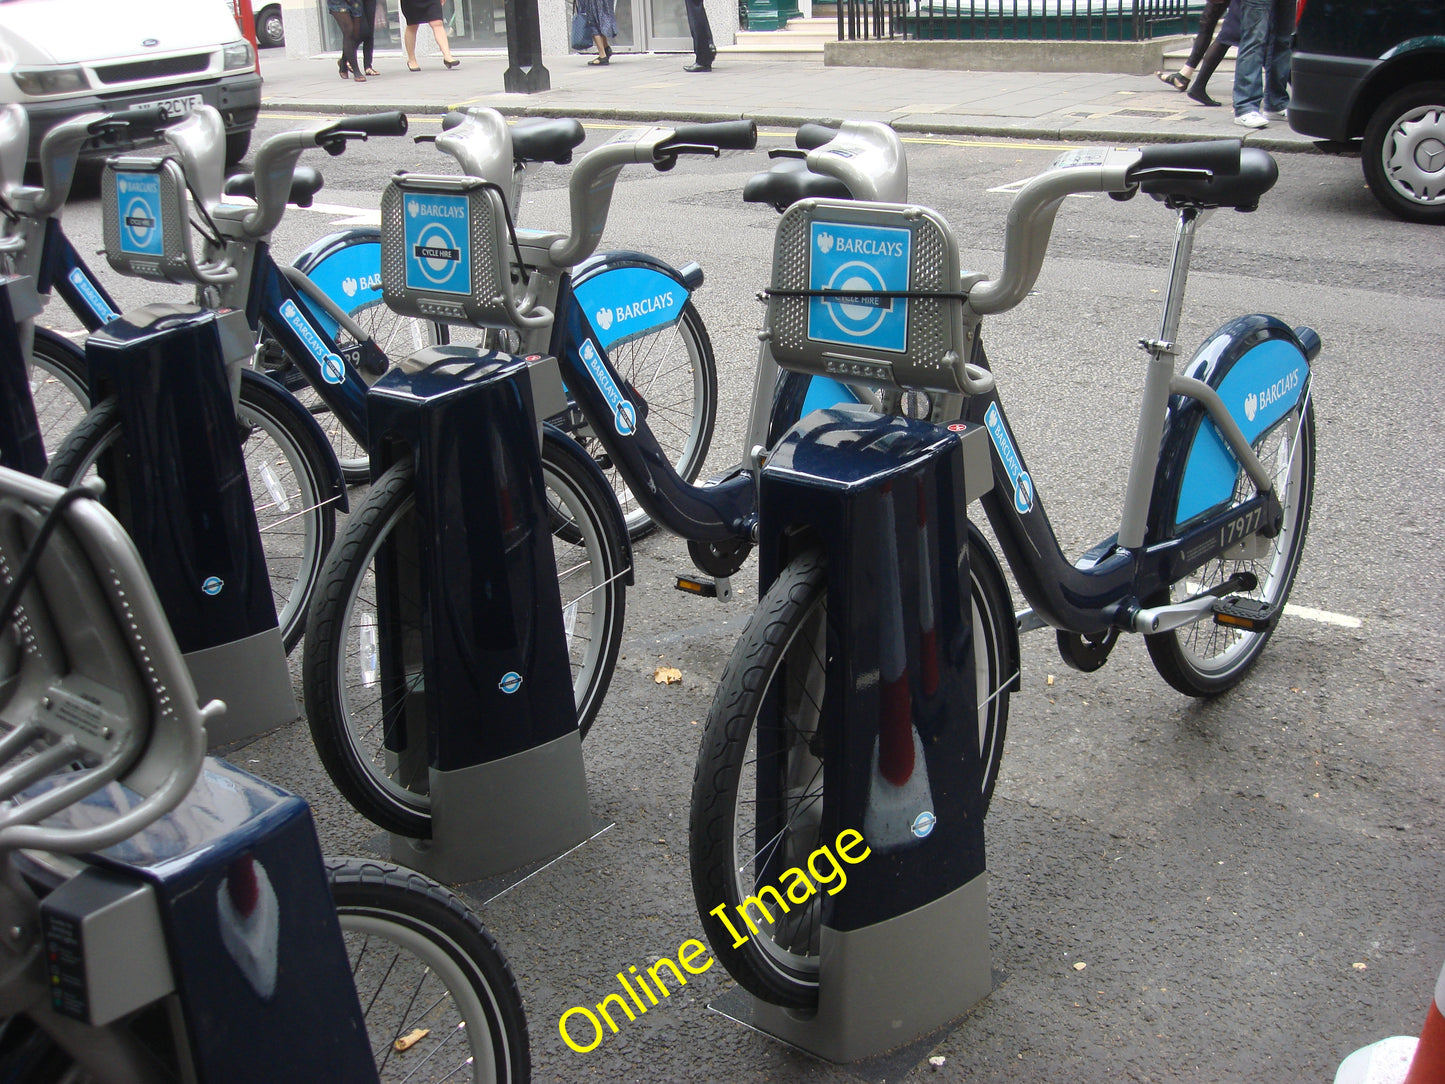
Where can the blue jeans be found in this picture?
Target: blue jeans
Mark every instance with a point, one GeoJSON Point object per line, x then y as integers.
{"type": "Point", "coordinates": [1261, 74]}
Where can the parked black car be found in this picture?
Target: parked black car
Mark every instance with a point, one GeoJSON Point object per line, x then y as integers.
{"type": "Point", "coordinates": [1375, 70]}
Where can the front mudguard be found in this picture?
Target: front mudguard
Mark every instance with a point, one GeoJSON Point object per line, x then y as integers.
{"type": "Point", "coordinates": [1260, 367]}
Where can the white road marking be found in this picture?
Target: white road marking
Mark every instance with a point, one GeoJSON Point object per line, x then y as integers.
{"type": "Point", "coordinates": [1309, 613]}
{"type": "Point", "coordinates": [349, 216]}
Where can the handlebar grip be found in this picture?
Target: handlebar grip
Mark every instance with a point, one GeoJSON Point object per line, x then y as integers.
{"type": "Point", "coordinates": [725, 135]}
{"type": "Point", "coordinates": [392, 123]}
{"type": "Point", "coordinates": [1219, 156]}
{"type": "Point", "coordinates": [152, 115]}
{"type": "Point", "coordinates": [813, 135]}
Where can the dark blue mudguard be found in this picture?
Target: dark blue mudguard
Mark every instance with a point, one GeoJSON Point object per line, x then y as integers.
{"type": "Point", "coordinates": [1261, 369]}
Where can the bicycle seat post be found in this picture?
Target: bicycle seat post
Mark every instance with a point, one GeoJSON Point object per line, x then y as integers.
{"type": "Point", "coordinates": [1155, 401]}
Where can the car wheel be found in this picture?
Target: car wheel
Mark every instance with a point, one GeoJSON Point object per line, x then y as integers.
{"type": "Point", "coordinates": [237, 144]}
{"type": "Point", "coordinates": [270, 29]}
{"type": "Point", "coordinates": [1404, 153]}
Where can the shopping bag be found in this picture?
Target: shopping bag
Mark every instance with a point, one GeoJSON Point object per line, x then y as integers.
{"type": "Point", "coordinates": [581, 37]}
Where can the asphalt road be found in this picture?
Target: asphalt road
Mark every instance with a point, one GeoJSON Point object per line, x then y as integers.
{"type": "Point", "coordinates": [1253, 884]}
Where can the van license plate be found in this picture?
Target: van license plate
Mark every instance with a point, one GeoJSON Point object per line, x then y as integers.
{"type": "Point", "coordinates": [176, 107]}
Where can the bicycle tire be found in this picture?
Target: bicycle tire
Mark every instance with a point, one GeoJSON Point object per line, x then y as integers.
{"type": "Point", "coordinates": [339, 672]}
{"type": "Point", "coordinates": [1205, 659]}
{"type": "Point", "coordinates": [288, 476]}
{"type": "Point", "coordinates": [59, 387]}
{"type": "Point", "coordinates": [674, 372]}
{"type": "Point", "coordinates": [787, 636]}
{"type": "Point", "coordinates": [423, 961]}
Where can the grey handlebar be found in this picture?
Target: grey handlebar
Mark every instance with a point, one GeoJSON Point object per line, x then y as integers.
{"type": "Point", "coordinates": [1031, 221]}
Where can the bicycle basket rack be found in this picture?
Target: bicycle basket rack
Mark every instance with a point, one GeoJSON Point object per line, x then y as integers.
{"type": "Point", "coordinates": [444, 250]}
{"type": "Point", "coordinates": [93, 690]}
{"type": "Point", "coordinates": [870, 293]}
{"type": "Point", "coordinates": [146, 220]}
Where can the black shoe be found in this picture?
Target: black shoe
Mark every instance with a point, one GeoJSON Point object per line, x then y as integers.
{"type": "Point", "coordinates": [697, 67]}
{"type": "Point", "coordinates": [1200, 95]}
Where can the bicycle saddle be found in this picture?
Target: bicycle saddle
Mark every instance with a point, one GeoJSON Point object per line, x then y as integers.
{"type": "Point", "coordinates": [304, 185]}
{"type": "Point", "coordinates": [1219, 173]}
{"type": "Point", "coordinates": [546, 140]}
{"type": "Point", "coordinates": [790, 180]}
{"type": "Point", "coordinates": [538, 139]}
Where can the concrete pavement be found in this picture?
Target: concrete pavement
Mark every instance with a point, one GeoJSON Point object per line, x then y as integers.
{"type": "Point", "coordinates": [1056, 105]}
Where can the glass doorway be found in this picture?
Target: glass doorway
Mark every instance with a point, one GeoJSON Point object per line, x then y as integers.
{"type": "Point", "coordinates": [652, 26]}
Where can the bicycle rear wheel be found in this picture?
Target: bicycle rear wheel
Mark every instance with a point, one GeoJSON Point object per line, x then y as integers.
{"type": "Point", "coordinates": [287, 472]}
{"type": "Point", "coordinates": [775, 683]}
{"type": "Point", "coordinates": [423, 962]}
{"type": "Point", "coordinates": [341, 670]}
{"type": "Point", "coordinates": [1205, 658]}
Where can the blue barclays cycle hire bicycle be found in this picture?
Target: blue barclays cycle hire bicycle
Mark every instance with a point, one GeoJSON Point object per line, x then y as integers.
{"type": "Point", "coordinates": [171, 917]}
{"type": "Point", "coordinates": [658, 342]}
{"type": "Point", "coordinates": [293, 483]}
{"type": "Point", "coordinates": [1212, 526]}
{"type": "Point", "coordinates": [295, 480]}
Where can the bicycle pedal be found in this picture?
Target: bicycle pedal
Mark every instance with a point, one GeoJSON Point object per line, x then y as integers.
{"type": "Point", "coordinates": [1248, 614]}
{"type": "Point", "coordinates": [721, 588]}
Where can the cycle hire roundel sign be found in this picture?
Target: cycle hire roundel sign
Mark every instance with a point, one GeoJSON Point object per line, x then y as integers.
{"type": "Point", "coordinates": [438, 243]}
{"type": "Point", "coordinates": [844, 257]}
{"type": "Point", "coordinates": [138, 203]}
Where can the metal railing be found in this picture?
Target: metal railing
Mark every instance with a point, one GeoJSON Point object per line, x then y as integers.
{"type": "Point", "coordinates": [1026, 20]}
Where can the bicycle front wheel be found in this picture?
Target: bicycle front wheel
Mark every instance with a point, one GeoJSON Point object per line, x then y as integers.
{"type": "Point", "coordinates": [381, 769]}
{"type": "Point", "coordinates": [439, 1000]}
{"type": "Point", "coordinates": [288, 475]}
{"type": "Point", "coordinates": [775, 685]}
{"type": "Point", "coordinates": [58, 386]}
{"type": "Point", "coordinates": [674, 373]}
{"type": "Point", "coordinates": [1206, 659]}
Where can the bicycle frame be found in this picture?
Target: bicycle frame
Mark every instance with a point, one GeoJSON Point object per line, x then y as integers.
{"type": "Point", "coordinates": [1156, 544]}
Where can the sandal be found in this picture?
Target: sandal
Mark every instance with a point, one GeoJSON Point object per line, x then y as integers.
{"type": "Point", "coordinates": [597, 62]}
{"type": "Point", "coordinates": [1174, 79]}
{"type": "Point", "coordinates": [372, 71]}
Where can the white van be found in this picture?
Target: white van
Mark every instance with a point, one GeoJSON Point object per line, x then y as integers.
{"type": "Point", "coordinates": [60, 58]}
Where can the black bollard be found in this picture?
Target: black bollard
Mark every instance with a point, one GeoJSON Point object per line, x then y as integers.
{"type": "Point", "coordinates": [525, 72]}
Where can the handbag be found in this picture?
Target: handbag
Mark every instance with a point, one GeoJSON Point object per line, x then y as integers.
{"type": "Point", "coordinates": [581, 36]}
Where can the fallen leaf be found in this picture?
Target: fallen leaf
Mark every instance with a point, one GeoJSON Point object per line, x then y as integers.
{"type": "Point", "coordinates": [667, 675]}
{"type": "Point", "coordinates": [409, 1040]}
